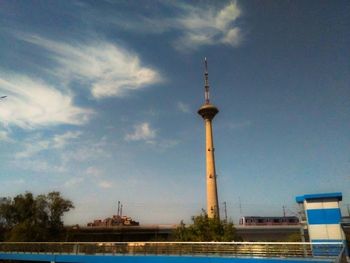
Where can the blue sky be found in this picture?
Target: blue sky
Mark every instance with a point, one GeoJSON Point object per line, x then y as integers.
{"type": "Point", "coordinates": [103, 95]}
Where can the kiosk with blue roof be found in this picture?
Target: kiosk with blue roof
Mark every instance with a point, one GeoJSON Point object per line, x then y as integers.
{"type": "Point", "coordinates": [323, 216]}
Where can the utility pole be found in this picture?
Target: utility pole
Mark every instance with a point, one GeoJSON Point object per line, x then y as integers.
{"type": "Point", "coordinates": [225, 211]}
{"type": "Point", "coordinates": [284, 211]}
{"type": "Point", "coordinates": [240, 205]}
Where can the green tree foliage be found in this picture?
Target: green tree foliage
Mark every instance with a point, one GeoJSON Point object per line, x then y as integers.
{"type": "Point", "coordinates": [29, 218]}
{"type": "Point", "coordinates": [204, 228]}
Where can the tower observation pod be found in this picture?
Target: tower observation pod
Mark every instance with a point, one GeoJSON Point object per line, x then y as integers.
{"type": "Point", "coordinates": [208, 112]}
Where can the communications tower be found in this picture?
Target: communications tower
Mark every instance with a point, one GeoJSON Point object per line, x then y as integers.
{"type": "Point", "coordinates": [208, 112]}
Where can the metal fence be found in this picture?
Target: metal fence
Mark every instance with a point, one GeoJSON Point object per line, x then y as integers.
{"type": "Point", "coordinates": [227, 249]}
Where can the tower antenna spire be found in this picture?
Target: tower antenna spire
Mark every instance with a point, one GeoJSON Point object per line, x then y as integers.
{"type": "Point", "coordinates": [206, 82]}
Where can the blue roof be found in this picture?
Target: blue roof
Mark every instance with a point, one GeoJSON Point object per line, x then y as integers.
{"type": "Point", "coordinates": [302, 198]}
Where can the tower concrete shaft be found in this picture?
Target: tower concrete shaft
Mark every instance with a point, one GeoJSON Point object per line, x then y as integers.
{"type": "Point", "coordinates": [208, 112]}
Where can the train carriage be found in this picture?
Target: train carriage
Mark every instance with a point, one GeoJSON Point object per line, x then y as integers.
{"type": "Point", "coordinates": [268, 220]}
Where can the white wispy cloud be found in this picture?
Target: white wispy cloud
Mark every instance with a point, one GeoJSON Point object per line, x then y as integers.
{"type": "Point", "coordinates": [36, 144]}
{"type": "Point", "coordinates": [142, 131]}
{"type": "Point", "coordinates": [74, 181]}
{"type": "Point", "coordinates": [38, 165]}
{"type": "Point", "coordinates": [87, 150]}
{"type": "Point", "coordinates": [4, 136]}
{"type": "Point", "coordinates": [196, 25]}
{"type": "Point", "coordinates": [105, 184]}
{"type": "Point", "coordinates": [165, 144]}
{"type": "Point", "coordinates": [66, 150]}
{"type": "Point", "coordinates": [60, 140]}
{"type": "Point", "coordinates": [32, 148]}
{"type": "Point", "coordinates": [32, 103]}
{"type": "Point", "coordinates": [94, 171]}
{"type": "Point", "coordinates": [183, 107]}
{"type": "Point", "coordinates": [106, 69]}
{"type": "Point", "coordinates": [239, 125]}
{"type": "Point", "coordinates": [204, 25]}
{"type": "Point", "coordinates": [13, 183]}
{"type": "Point", "coordinates": [94, 178]}
{"type": "Point", "coordinates": [18, 181]}
{"type": "Point", "coordinates": [145, 132]}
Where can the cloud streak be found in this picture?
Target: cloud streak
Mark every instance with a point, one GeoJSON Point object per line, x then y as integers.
{"type": "Point", "coordinates": [32, 103]}
{"type": "Point", "coordinates": [60, 140]}
{"type": "Point", "coordinates": [38, 165]}
{"type": "Point", "coordinates": [87, 150]}
{"type": "Point", "coordinates": [238, 125]}
{"type": "Point", "coordinates": [105, 184]}
{"type": "Point", "coordinates": [183, 107]}
{"type": "Point", "coordinates": [195, 25]}
{"type": "Point", "coordinates": [142, 132]}
{"type": "Point", "coordinates": [94, 171]}
{"type": "Point", "coordinates": [59, 153]}
{"type": "Point", "coordinates": [106, 69]}
{"type": "Point", "coordinates": [4, 136]}
{"type": "Point", "coordinates": [204, 25]}
{"type": "Point", "coordinates": [37, 145]}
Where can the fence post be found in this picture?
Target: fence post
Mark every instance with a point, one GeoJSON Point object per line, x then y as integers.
{"type": "Point", "coordinates": [76, 249]}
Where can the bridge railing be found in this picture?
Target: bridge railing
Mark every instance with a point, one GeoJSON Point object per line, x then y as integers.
{"type": "Point", "coordinates": [229, 249]}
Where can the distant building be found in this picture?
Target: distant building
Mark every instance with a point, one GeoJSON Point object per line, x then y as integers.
{"type": "Point", "coordinates": [116, 220]}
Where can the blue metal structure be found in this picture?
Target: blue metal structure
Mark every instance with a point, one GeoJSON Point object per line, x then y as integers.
{"type": "Point", "coordinates": [170, 252]}
{"type": "Point", "coordinates": [323, 216]}
{"type": "Point", "coordinates": [150, 259]}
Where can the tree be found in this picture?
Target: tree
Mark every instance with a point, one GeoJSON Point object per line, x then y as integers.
{"type": "Point", "coordinates": [29, 218]}
{"type": "Point", "coordinates": [2, 221]}
{"type": "Point", "coordinates": [57, 206]}
{"type": "Point", "coordinates": [204, 228]}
